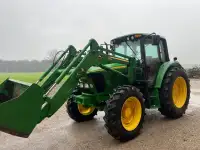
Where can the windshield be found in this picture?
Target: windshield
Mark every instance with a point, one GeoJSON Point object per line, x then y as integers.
{"type": "Point", "coordinates": [129, 48]}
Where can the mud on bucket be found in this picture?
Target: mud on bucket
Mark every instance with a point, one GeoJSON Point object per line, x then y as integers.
{"type": "Point", "coordinates": [20, 107]}
{"type": "Point", "coordinates": [10, 89]}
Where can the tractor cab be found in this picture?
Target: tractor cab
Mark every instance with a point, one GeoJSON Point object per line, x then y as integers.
{"type": "Point", "coordinates": [149, 50]}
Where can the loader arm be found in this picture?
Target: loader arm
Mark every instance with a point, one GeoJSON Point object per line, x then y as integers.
{"type": "Point", "coordinates": [95, 57]}
{"type": "Point", "coordinates": [27, 105]}
{"type": "Point", "coordinates": [54, 75]}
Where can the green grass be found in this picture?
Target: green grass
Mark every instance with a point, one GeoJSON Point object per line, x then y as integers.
{"type": "Point", "coordinates": [26, 77]}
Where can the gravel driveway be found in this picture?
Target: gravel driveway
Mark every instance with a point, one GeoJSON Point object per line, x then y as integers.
{"type": "Point", "coordinates": [61, 133]}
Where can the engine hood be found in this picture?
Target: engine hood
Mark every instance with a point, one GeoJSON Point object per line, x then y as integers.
{"type": "Point", "coordinates": [115, 66]}
{"type": "Point", "coordinates": [93, 69]}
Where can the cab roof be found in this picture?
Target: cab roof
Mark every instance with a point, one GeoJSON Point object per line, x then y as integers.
{"type": "Point", "coordinates": [134, 35]}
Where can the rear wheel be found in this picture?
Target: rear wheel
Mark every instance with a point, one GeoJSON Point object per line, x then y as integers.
{"type": "Point", "coordinates": [124, 113]}
{"type": "Point", "coordinates": [79, 112]}
{"type": "Point", "coordinates": [175, 93]}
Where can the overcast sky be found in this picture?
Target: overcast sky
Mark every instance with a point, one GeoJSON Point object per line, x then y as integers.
{"type": "Point", "coordinates": [30, 28]}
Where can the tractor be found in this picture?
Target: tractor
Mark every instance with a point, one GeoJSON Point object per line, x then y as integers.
{"type": "Point", "coordinates": [123, 78]}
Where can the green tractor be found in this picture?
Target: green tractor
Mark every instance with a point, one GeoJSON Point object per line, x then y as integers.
{"type": "Point", "coordinates": [127, 76]}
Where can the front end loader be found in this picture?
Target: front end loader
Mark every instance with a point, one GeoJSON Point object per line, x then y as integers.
{"type": "Point", "coordinates": [132, 75]}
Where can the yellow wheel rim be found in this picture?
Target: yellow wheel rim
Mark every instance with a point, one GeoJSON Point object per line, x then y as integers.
{"type": "Point", "coordinates": [85, 110]}
{"type": "Point", "coordinates": [131, 113]}
{"type": "Point", "coordinates": [179, 92]}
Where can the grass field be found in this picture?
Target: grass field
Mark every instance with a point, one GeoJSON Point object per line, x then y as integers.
{"type": "Point", "coordinates": [26, 77]}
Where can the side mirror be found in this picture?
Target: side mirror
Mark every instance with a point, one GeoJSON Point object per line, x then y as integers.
{"type": "Point", "coordinates": [155, 39]}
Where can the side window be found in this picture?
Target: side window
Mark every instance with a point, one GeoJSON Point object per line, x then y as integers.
{"type": "Point", "coordinates": [151, 53]}
{"type": "Point", "coordinates": [119, 49]}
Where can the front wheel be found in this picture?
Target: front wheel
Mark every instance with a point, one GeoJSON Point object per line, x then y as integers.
{"type": "Point", "coordinates": [79, 112]}
{"type": "Point", "coordinates": [124, 113]}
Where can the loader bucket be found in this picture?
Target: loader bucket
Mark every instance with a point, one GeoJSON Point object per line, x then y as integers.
{"type": "Point", "coordinates": [20, 107]}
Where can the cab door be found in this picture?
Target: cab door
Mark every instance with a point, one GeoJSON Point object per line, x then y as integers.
{"type": "Point", "coordinates": [153, 61]}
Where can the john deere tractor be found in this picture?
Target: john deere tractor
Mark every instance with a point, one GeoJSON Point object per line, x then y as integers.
{"type": "Point", "coordinates": [123, 78]}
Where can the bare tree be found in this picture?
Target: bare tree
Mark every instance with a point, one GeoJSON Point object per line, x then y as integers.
{"type": "Point", "coordinates": [51, 54]}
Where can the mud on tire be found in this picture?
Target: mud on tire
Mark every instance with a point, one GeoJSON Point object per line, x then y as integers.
{"type": "Point", "coordinates": [113, 113]}
{"type": "Point", "coordinates": [168, 107]}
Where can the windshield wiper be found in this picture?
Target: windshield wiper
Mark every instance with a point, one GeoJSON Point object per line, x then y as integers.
{"type": "Point", "coordinates": [130, 48]}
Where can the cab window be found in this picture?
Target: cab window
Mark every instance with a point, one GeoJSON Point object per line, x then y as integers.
{"type": "Point", "coordinates": [152, 55]}
{"type": "Point", "coordinates": [129, 48]}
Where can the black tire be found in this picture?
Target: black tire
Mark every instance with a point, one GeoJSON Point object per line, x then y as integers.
{"type": "Point", "coordinates": [168, 107]}
{"type": "Point", "coordinates": [112, 117]}
{"type": "Point", "coordinates": [73, 112]}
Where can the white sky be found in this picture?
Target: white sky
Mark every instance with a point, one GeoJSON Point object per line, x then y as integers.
{"type": "Point", "coordinates": [30, 28]}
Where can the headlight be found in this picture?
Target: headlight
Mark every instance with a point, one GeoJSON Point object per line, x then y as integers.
{"type": "Point", "coordinates": [86, 85]}
{"type": "Point", "coordinates": [91, 85]}
{"type": "Point", "coordinates": [81, 85]}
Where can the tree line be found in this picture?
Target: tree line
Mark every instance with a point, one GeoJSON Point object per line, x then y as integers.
{"type": "Point", "coordinates": [41, 66]}
{"type": "Point", "coordinates": [8, 66]}
{"type": "Point", "coordinates": [24, 66]}
{"type": "Point", "coordinates": [194, 72]}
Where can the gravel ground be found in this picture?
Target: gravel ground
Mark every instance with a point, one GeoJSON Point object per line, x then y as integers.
{"type": "Point", "coordinates": [61, 133]}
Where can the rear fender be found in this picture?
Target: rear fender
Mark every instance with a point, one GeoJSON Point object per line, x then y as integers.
{"type": "Point", "coordinates": [162, 71]}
